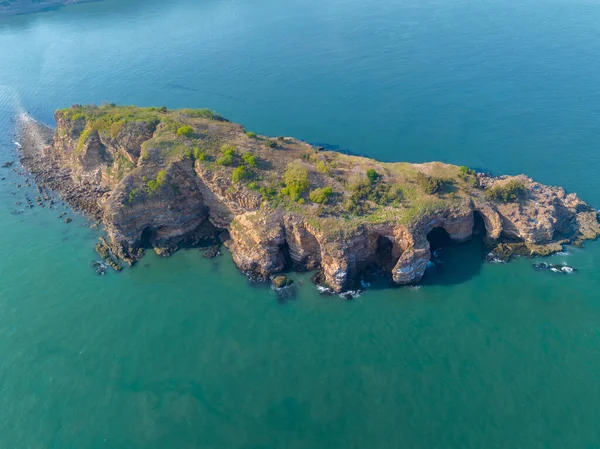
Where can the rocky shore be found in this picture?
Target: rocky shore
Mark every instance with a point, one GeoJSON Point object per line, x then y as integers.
{"type": "Point", "coordinates": [160, 179]}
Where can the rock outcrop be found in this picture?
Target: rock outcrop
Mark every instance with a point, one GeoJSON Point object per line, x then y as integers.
{"type": "Point", "coordinates": [160, 179]}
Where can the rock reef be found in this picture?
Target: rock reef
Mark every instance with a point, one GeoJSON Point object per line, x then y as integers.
{"type": "Point", "coordinates": [162, 179]}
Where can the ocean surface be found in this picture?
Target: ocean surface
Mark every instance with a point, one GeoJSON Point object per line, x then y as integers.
{"type": "Point", "coordinates": [184, 353]}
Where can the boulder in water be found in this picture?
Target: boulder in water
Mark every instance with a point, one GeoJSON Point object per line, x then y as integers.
{"type": "Point", "coordinates": [213, 252]}
{"type": "Point", "coordinates": [281, 281]}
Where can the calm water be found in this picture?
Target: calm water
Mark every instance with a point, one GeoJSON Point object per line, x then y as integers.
{"type": "Point", "coordinates": [182, 353]}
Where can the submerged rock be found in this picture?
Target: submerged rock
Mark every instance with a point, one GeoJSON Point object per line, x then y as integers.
{"type": "Point", "coordinates": [99, 267]}
{"type": "Point", "coordinates": [561, 269]}
{"type": "Point", "coordinates": [213, 252]}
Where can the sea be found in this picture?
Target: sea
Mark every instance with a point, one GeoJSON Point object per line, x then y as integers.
{"type": "Point", "coordinates": [183, 352]}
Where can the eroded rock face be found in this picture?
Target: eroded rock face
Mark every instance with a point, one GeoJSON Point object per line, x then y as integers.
{"type": "Point", "coordinates": [149, 199]}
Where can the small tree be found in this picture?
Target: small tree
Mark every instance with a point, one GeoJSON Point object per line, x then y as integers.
{"type": "Point", "coordinates": [372, 175]}
{"type": "Point", "coordinates": [185, 131]}
{"type": "Point", "coordinates": [241, 174]}
{"type": "Point", "coordinates": [249, 159]}
{"type": "Point", "coordinates": [251, 135]}
{"type": "Point", "coordinates": [320, 196]}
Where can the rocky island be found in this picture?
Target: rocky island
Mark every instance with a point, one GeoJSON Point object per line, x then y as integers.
{"type": "Point", "coordinates": [161, 179]}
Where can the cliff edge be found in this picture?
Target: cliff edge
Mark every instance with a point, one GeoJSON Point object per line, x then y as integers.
{"type": "Point", "coordinates": [161, 179]}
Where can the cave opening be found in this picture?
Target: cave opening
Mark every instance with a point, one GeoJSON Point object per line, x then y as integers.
{"type": "Point", "coordinates": [146, 238]}
{"type": "Point", "coordinates": [438, 238]}
{"type": "Point", "coordinates": [284, 250]}
{"type": "Point", "coordinates": [455, 262]}
{"type": "Point", "coordinates": [479, 228]}
{"type": "Point", "coordinates": [384, 254]}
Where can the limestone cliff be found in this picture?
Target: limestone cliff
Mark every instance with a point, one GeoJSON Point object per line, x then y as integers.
{"type": "Point", "coordinates": [164, 178]}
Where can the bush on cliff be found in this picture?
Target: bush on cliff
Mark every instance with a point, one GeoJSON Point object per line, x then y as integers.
{"type": "Point", "coordinates": [154, 184]}
{"type": "Point", "coordinates": [251, 135]}
{"type": "Point", "coordinates": [241, 174]}
{"type": "Point", "coordinates": [198, 154]}
{"type": "Point", "coordinates": [249, 159]}
{"type": "Point", "coordinates": [296, 182]}
{"type": "Point", "coordinates": [228, 157]}
{"type": "Point", "coordinates": [320, 196]}
{"type": "Point", "coordinates": [511, 192]}
{"type": "Point", "coordinates": [372, 175]}
{"type": "Point", "coordinates": [430, 184]}
{"type": "Point", "coordinates": [185, 131]}
{"type": "Point", "coordinates": [323, 167]}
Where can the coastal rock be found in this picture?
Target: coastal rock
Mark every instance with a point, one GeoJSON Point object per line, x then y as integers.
{"type": "Point", "coordinates": [164, 179]}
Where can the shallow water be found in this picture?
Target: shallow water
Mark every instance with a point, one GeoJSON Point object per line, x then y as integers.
{"type": "Point", "coordinates": [183, 352]}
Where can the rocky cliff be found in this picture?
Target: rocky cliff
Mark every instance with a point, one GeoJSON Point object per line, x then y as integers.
{"type": "Point", "coordinates": [161, 179]}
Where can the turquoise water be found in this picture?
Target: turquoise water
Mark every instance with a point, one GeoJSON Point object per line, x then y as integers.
{"type": "Point", "coordinates": [183, 353]}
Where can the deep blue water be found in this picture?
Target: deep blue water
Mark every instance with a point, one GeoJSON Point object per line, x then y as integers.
{"type": "Point", "coordinates": [183, 353]}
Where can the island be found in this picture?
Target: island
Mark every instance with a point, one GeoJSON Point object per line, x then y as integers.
{"type": "Point", "coordinates": [24, 6]}
{"type": "Point", "coordinates": [164, 179]}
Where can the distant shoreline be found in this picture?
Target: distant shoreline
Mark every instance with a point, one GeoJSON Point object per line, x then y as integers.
{"type": "Point", "coordinates": [26, 6]}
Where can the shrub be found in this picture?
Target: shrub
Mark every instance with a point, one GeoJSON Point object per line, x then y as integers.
{"type": "Point", "coordinates": [162, 109]}
{"type": "Point", "coordinates": [228, 157]}
{"type": "Point", "coordinates": [430, 184]}
{"type": "Point", "coordinates": [267, 193]}
{"type": "Point", "coordinates": [372, 175]}
{"type": "Point", "coordinates": [301, 201]}
{"type": "Point", "coordinates": [354, 207]}
{"type": "Point", "coordinates": [185, 131]}
{"type": "Point", "coordinates": [154, 184]}
{"type": "Point", "coordinates": [464, 171]}
{"type": "Point", "coordinates": [198, 154]}
{"type": "Point", "coordinates": [241, 174]}
{"type": "Point", "coordinates": [251, 135]}
{"type": "Point", "coordinates": [225, 160]}
{"type": "Point", "coordinates": [228, 150]}
{"type": "Point", "coordinates": [320, 196]}
{"type": "Point", "coordinates": [296, 182]}
{"type": "Point", "coordinates": [322, 167]}
{"type": "Point", "coordinates": [249, 159]}
{"type": "Point", "coordinates": [271, 143]}
{"type": "Point", "coordinates": [510, 192]}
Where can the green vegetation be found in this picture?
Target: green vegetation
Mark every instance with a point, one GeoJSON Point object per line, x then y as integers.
{"type": "Point", "coordinates": [241, 174]}
{"type": "Point", "coordinates": [201, 113]}
{"type": "Point", "coordinates": [133, 195]}
{"type": "Point", "coordinates": [229, 155]}
{"type": "Point", "coordinates": [251, 135]}
{"type": "Point", "coordinates": [295, 179]}
{"type": "Point", "coordinates": [270, 143]}
{"type": "Point", "coordinates": [154, 184]}
{"type": "Point", "coordinates": [431, 184]}
{"type": "Point", "coordinates": [198, 154]}
{"type": "Point", "coordinates": [510, 192]}
{"type": "Point", "coordinates": [372, 175]}
{"type": "Point", "coordinates": [185, 131]}
{"type": "Point", "coordinates": [323, 167]}
{"type": "Point", "coordinates": [320, 196]}
{"type": "Point", "coordinates": [249, 159]}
